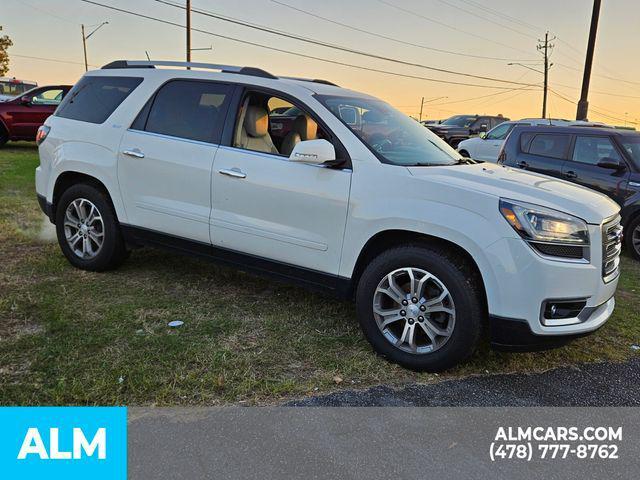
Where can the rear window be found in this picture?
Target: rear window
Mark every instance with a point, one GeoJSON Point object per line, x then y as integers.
{"type": "Point", "coordinates": [548, 145]}
{"type": "Point", "coordinates": [188, 109]}
{"type": "Point", "coordinates": [93, 99]}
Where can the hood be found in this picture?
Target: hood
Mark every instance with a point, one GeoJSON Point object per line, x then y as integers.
{"type": "Point", "coordinates": [505, 182]}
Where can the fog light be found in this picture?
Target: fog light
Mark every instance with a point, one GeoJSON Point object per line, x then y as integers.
{"type": "Point", "coordinates": [562, 309]}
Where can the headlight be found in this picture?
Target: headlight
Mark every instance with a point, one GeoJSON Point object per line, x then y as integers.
{"type": "Point", "coordinates": [544, 225]}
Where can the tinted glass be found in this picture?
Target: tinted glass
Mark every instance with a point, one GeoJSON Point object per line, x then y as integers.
{"type": "Point", "coordinates": [192, 110]}
{"type": "Point", "coordinates": [460, 121]}
{"type": "Point", "coordinates": [593, 149]}
{"type": "Point", "coordinates": [549, 145]}
{"type": "Point", "coordinates": [394, 137]}
{"type": "Point", "coordinates": [93, 99]}
{"type": "Point", "coordinates": [632, 145]}
{"type": "Point", "coordinates": [500, 132]}
{"type": "Point", "coordinates": [53, 96]}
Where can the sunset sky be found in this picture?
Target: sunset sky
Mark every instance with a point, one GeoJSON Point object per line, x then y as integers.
{"type": "Point", "coordinates": [504, 31]}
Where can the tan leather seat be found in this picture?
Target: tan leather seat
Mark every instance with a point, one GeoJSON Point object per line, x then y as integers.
{"type": "Point", "coordinates": [304, 128]}
{"type": "Point", "coordinates": [254, 134]}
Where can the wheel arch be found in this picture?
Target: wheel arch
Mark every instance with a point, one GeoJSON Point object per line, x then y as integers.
{"type": "Point", "coordinates": [69, 178]}
{"type": "Point", "coordinates": [387, 239]}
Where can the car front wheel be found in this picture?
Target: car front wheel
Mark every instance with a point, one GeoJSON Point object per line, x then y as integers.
{"type": "Point", "coordinates": [420, 307]}
{"type": "Point", "coordinates": [633, 238]}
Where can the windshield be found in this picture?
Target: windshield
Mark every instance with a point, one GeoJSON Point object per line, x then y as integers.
{"type": "Point", "coordinates": [394, 137]}
{"type": "Point", "coordinates": [460, 121]}
{"type": "Point", "coordinates": [632, 145]}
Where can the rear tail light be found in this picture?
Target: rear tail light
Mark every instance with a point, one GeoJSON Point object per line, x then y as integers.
{"type": "Point", "coordinates": [43, 131]}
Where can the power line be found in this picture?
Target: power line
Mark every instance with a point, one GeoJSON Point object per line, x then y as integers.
{"type": "Point", "coordinates": [503, 15]}
{"type": "Point", "coordinates": [385, 37]}
{"type": "Point", "coordinates": [335, 46]}
{"type": "Point", "coordinates": [487, 19]}
{"type": "Point", "coordinates": [301, 55]}
{"type": "Point", "coordinates": [413, 13]}
{"type": "Point", "coordinates": [594, 110]}
{"type": "Point", "coordinates": [55, 60]}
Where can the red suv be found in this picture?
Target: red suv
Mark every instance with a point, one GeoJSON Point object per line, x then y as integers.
{"type": "Point", "coordinates": [21, 117]}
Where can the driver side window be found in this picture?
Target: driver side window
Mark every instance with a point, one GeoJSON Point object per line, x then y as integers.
{"type": "Point", "coordinates": [500, 132]}
{"type": "Point", "coordinates": [273, 125]}
{"type": "Point", "coordinates": [52, 96]}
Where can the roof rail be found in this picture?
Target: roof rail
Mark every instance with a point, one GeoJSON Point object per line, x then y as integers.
{"type": "Point", "coordinates": [256, 72]}
{"type": "Point", "coordinates": [314, 80]}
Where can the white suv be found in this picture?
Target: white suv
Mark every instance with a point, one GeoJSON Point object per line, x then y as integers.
{"type": "Point", "coordinates": [349, 195]}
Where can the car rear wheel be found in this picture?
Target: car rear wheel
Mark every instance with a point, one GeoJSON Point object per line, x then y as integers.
{"type": "Point", "coordinates": [88, 230]}
{"type": "Point", "coordinates": [420, 307]}
{"type": "Point", "coordinates": [4, 136]}
{"type": "Point", "coordinates": [632, 237]}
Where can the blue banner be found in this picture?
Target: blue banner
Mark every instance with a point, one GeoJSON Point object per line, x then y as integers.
{"type": "Point", "coordinates": [63, 443]}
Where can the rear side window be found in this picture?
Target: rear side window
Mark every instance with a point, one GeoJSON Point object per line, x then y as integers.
{"type": "Point", "coordinates": [549, 145]}
{"type": "Point", "coordinates": [188, 109]}
{"type": "Point", "coordinates": [93, 99]}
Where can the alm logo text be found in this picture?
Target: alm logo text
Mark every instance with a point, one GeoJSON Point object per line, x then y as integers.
{"type": "Point", "coordinates": [33, 445]}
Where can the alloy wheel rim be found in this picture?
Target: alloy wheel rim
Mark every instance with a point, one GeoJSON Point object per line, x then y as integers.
{"type": "Point", "coordinates": [84, 228]}
{"type": "Point", "coordinates": [414, 310]}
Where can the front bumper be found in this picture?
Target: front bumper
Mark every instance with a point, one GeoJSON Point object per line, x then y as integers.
{"type": "Point", "coordinates": [528, 280]}
{"type": "Point", "coordinates": [46, 207]}
{"type": "Point", "coordinates": [515, 335]}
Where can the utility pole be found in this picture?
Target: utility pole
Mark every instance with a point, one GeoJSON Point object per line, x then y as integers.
{"type": "Point", "coordinates": [583, 104]}
{"type": "Point", "coordinates": [423, 101]}
{"type": "Point", "coordinates": [545, 47]}
{"type": "Point", "coordinates": [84, 46]}
{"type": "Point", "coordinates": [188, 9]}
{"type": "Point", "coordinates": [84, 42]}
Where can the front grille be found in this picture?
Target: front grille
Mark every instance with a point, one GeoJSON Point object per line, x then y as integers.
{"type": "Point", "coordinates": [611, 248]}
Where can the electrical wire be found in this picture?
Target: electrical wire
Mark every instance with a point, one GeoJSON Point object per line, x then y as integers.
{"type": "Point", "coordinates": [385, 37]}
{"type": "Point", "coordinates": [335, 46]}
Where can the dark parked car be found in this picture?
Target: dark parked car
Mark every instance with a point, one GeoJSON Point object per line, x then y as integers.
{"type": "Point", "coordinates": [21, 117]}
{"type": "Point", "coordinates": [604, 159]}
{"type": "Point", "coordinates": [455, 129]}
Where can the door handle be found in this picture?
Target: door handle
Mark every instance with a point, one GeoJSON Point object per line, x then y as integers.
{"type": "Point", "coordinates": [133, 153]}
{"type": "Point", "coordinates": [522, 164]}
{"type": "Point", "coordinates": [570, 174]}
{"type": "Point", "coordinates": [233, 172]}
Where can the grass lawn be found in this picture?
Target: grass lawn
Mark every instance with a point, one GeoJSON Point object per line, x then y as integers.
{"type": "Point", "coordinates": [74, 337]}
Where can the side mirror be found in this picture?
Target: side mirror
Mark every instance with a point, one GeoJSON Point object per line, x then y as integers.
{"type": "Point", "coordinates": [483, 135]}
{"type": "Point", "coordinates": [315, 152]}
{"type": "Point", "coordinates": [610, 163]}
{"type": "Point", "coordinates": [26, 100]}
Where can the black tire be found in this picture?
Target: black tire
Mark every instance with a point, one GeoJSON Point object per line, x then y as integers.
{"type": "Point", "coordinates": [4, 136]}
{"type": "Point", "coordinates": [463, 285]}
{"type": "Point", "coordinates": [113, 250]}
{"type": "Point", "coordinates": [633, 231]}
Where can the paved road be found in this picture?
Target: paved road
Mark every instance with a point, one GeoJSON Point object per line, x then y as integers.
{"type": "Point", "coordinates": [596, 385]}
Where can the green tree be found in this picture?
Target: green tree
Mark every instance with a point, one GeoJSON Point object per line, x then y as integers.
{"type": "Point", "coordinates": [5, 43]}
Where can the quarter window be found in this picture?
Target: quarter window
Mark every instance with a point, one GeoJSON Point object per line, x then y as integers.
{"type": "Point", "coordinates": [591, 150]}
{"type": "Point", "coordinates": [188, 109]}
{"type": "Point", "coordinates": [549, 145]}
{"type": "Point", "coordinates": [93, 99]}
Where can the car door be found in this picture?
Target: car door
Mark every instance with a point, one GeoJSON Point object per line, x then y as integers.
{"type": "Point", "coordinates": [269, 207]}
{"type": "Point", "coordinates": [582, 166]}
{"type": "Point", "coordinates": [543, 152]}
{"type": "Point", "coordinates": [166, 156]}
{"type": "Point", "coordinates": [489, 147]}
{"type": "Point", "coordinates": [31, 110]}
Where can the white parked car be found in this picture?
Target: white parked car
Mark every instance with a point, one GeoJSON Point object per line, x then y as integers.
{"type": "Point", "coordinates": [355, 198]}
{"type": "Point", "coordinates": [486, 147]}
